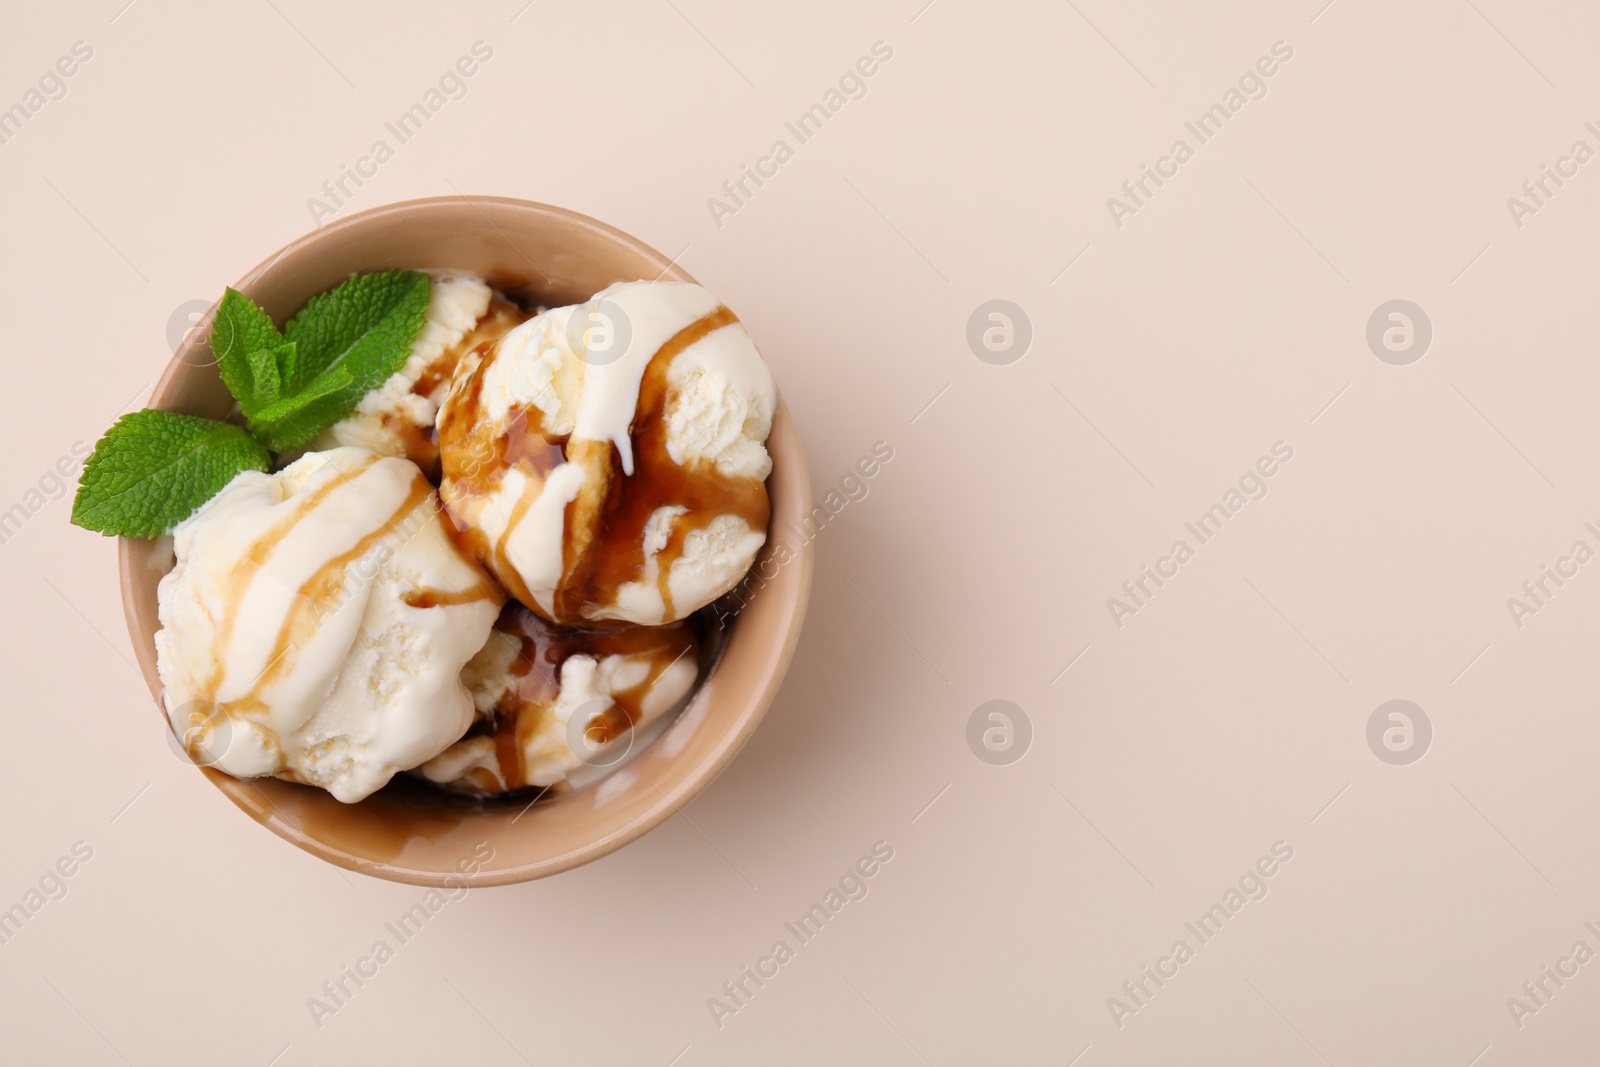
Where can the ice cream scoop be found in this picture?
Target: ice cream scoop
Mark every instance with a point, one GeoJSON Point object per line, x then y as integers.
{"type": "Point", "coordinates": [607, 460]}
{"type": "Point", "coordinates": [397, 418]}
{"type": "Point", "coordinates": [317, 621]}
{"type": "Point", "coordinates": [552, 701]}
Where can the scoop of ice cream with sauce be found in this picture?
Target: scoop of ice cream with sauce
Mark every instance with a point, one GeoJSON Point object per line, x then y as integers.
{"type": "Point", "coordinates": [397, 418]}
{"type": "Point", "coordinates": [317, 621]}
{"type": "Point", "coordinates": [552, 701]}
{"type": "Point", "coordinates": [607, 460]}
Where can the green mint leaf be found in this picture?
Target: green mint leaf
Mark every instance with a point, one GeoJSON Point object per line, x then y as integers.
{"type": "Point", "coordinates": [153, 469]}
{"type": "Point", "coordinates": [365, 325]}
{"type": "Point", "coordinates": [296, 420]}
{"type": "Point", "coordinates": [288, 360]}
{"type": "Point", "coordinates": [241, 328]}
{"type": "Point", "coordinates": [264, 375]}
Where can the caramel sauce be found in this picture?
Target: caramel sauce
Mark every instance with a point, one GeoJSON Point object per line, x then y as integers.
{"type": "Point", "coordinates": [544, 648]}
{"type": "Point", "coordinates": [605, 523]}
{"type": "Point", "coordinates": [519, 287]}
{"type": "Point", "coordinates": [475, 462]}
{"type": "Point", "coordinates": [438, 598]}
{"type": "Point", "coordinates": [319, 593]}
{"type": "Point", "coordinates": [500, 319]}
{"type": "Point", "coordinates": [535, 450]}
{"type": "Point", "coordinates": [421, 443]}
{"type": "Point", "coordinates": [616, 552]}
{"type": "Point", "coordinates": [438, 373]}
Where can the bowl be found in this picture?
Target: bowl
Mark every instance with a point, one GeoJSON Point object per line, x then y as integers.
{"type": "Point", "coordinates": [413, 833]}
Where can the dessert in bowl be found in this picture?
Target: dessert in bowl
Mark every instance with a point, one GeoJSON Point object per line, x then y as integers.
{"type": "Point", "coordinates": [455, 615]}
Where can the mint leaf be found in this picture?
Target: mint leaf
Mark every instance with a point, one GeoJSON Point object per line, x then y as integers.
{"type": "Point", "coordinates": [296, 420]}
{"type": "Point", "coordinates": [264, 375]}
{"type": "Point", "coordinates": [240, 329]}
{"type": "Point", "coordinates": [153, 469]}
{"type": "Point", "coordinates": [365, 325]}
{"type": "Point", "coordinates": [287, 359]}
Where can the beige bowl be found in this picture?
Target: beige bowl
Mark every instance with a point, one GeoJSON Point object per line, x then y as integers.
{"type": "Point", "coordinates": [411, 833]}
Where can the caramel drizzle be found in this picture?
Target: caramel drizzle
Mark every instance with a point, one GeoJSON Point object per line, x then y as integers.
{"type": "Point", "coordinates": [627, 705]}
{"type": "Point", "coordinates": [544, 649]}
{"type": "Point", "coordinates": [316, 593]}
{"type": "Point", "coordinates": [439, 598]}
{"type": "Point", "coordinates": [615, 554]}
{"type": "Point", "coordinates": [421, 443]}
{"type": "Point", "coordinates": [472, 466]}
{"type": "Point", "coordinates": [502, 552]}
{"type": "Point", "coordinates": [500, 319]}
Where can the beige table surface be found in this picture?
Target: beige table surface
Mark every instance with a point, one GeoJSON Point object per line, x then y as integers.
{"type": "Point", "coordinates": [1168, 745]}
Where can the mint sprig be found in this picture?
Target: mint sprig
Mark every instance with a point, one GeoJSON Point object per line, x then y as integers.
{"type": "Point", "coordinates": [153, 469]}
{"type": "Point", "coordinates": [348, 341]}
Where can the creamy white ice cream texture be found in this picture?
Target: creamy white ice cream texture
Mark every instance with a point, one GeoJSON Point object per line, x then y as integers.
{"type": "Point", "coordinates": [585, 376]}
{"type": "Point", "coordinates": [586, 688]}
{"type": "Point", "coordinates": [317, 621]}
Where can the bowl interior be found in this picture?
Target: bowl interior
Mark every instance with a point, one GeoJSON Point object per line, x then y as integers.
{"type": "Point", "coordinates": [413, 833]}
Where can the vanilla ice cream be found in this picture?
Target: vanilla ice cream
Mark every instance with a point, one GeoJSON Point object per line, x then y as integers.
{"type": "Point", "coordinates": [608, 460]}
{"type": "Point", "coordinates": [317, 621]}
{"type": "Point", "coordinates": [396, 419]}
{"type": "Point", "coordinates": [553, 701]}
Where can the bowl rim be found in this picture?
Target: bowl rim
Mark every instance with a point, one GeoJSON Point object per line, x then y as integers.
{"type": "Point", "coordinates": [133, 553]}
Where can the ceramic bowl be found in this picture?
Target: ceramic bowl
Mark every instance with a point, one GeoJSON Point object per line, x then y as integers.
{"type": "Point", "coordinates": [414, 833]}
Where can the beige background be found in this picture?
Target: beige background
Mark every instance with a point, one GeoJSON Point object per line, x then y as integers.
{"type": "Point", "coordinates": [1230, 713]}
